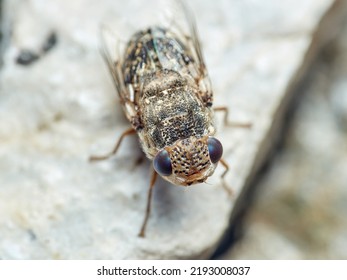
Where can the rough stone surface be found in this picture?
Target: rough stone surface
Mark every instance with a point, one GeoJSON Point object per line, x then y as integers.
{"type": "Point", "coordinates": [62, 108]}
{"type": "Point", "coordinates": [307, 182]}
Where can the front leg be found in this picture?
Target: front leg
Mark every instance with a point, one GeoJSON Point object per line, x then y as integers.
{"type": "Point", "coordinates": [224, 184]}
{"type": "Point", "coordinates": [149, 199]}
{"type": "Point", "coordinates": [129, 131]}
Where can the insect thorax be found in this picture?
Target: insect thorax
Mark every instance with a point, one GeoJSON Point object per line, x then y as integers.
{"type": "Point", "coordinates": [171, 110]}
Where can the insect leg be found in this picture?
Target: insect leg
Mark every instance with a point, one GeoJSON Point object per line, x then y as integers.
{"type": "Point", "coordinates": [149, 199]}
{"type": "Point", "coordinates": [129, 131]}
{"type": "Point", "coordinates": [226, 119]}
{"type": "Point", "coordinates": [225, 186]}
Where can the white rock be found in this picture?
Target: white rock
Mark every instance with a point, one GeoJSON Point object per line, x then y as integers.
{"type": "Point", "coordinates": [63, 108]}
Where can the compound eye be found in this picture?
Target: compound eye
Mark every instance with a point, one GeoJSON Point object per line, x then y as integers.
{"type": "Point", "coordinates": [162, 163]}
{"type": "Point", "coordinates": [215, 149]}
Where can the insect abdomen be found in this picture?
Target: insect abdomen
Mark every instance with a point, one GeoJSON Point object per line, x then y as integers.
{"type": "Point", "coordinates": [150, 51]}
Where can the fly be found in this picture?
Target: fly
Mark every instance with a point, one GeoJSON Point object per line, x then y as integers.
{"type": "Point", "coordinates": [166, 95]}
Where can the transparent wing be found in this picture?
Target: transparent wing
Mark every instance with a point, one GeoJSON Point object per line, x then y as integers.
{"type": "Point", "coordinates": [110, 51]}
{"type": "Point", "coordinates": [192, 37]}
{"type": "Point", "coordinates": [184, 25]}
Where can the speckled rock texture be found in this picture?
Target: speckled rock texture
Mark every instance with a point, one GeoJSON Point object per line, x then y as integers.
{"type": "Point", "coordinates": [60, 109]}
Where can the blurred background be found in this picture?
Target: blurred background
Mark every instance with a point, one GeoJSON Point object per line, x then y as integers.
{"type": "Point", "coordinates": [299, 207]}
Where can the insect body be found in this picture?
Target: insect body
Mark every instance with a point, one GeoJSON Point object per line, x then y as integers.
{"type": "Point", "coordinates": [166, 95]}
{"type": "Point", "coordinates": [168, 111]}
